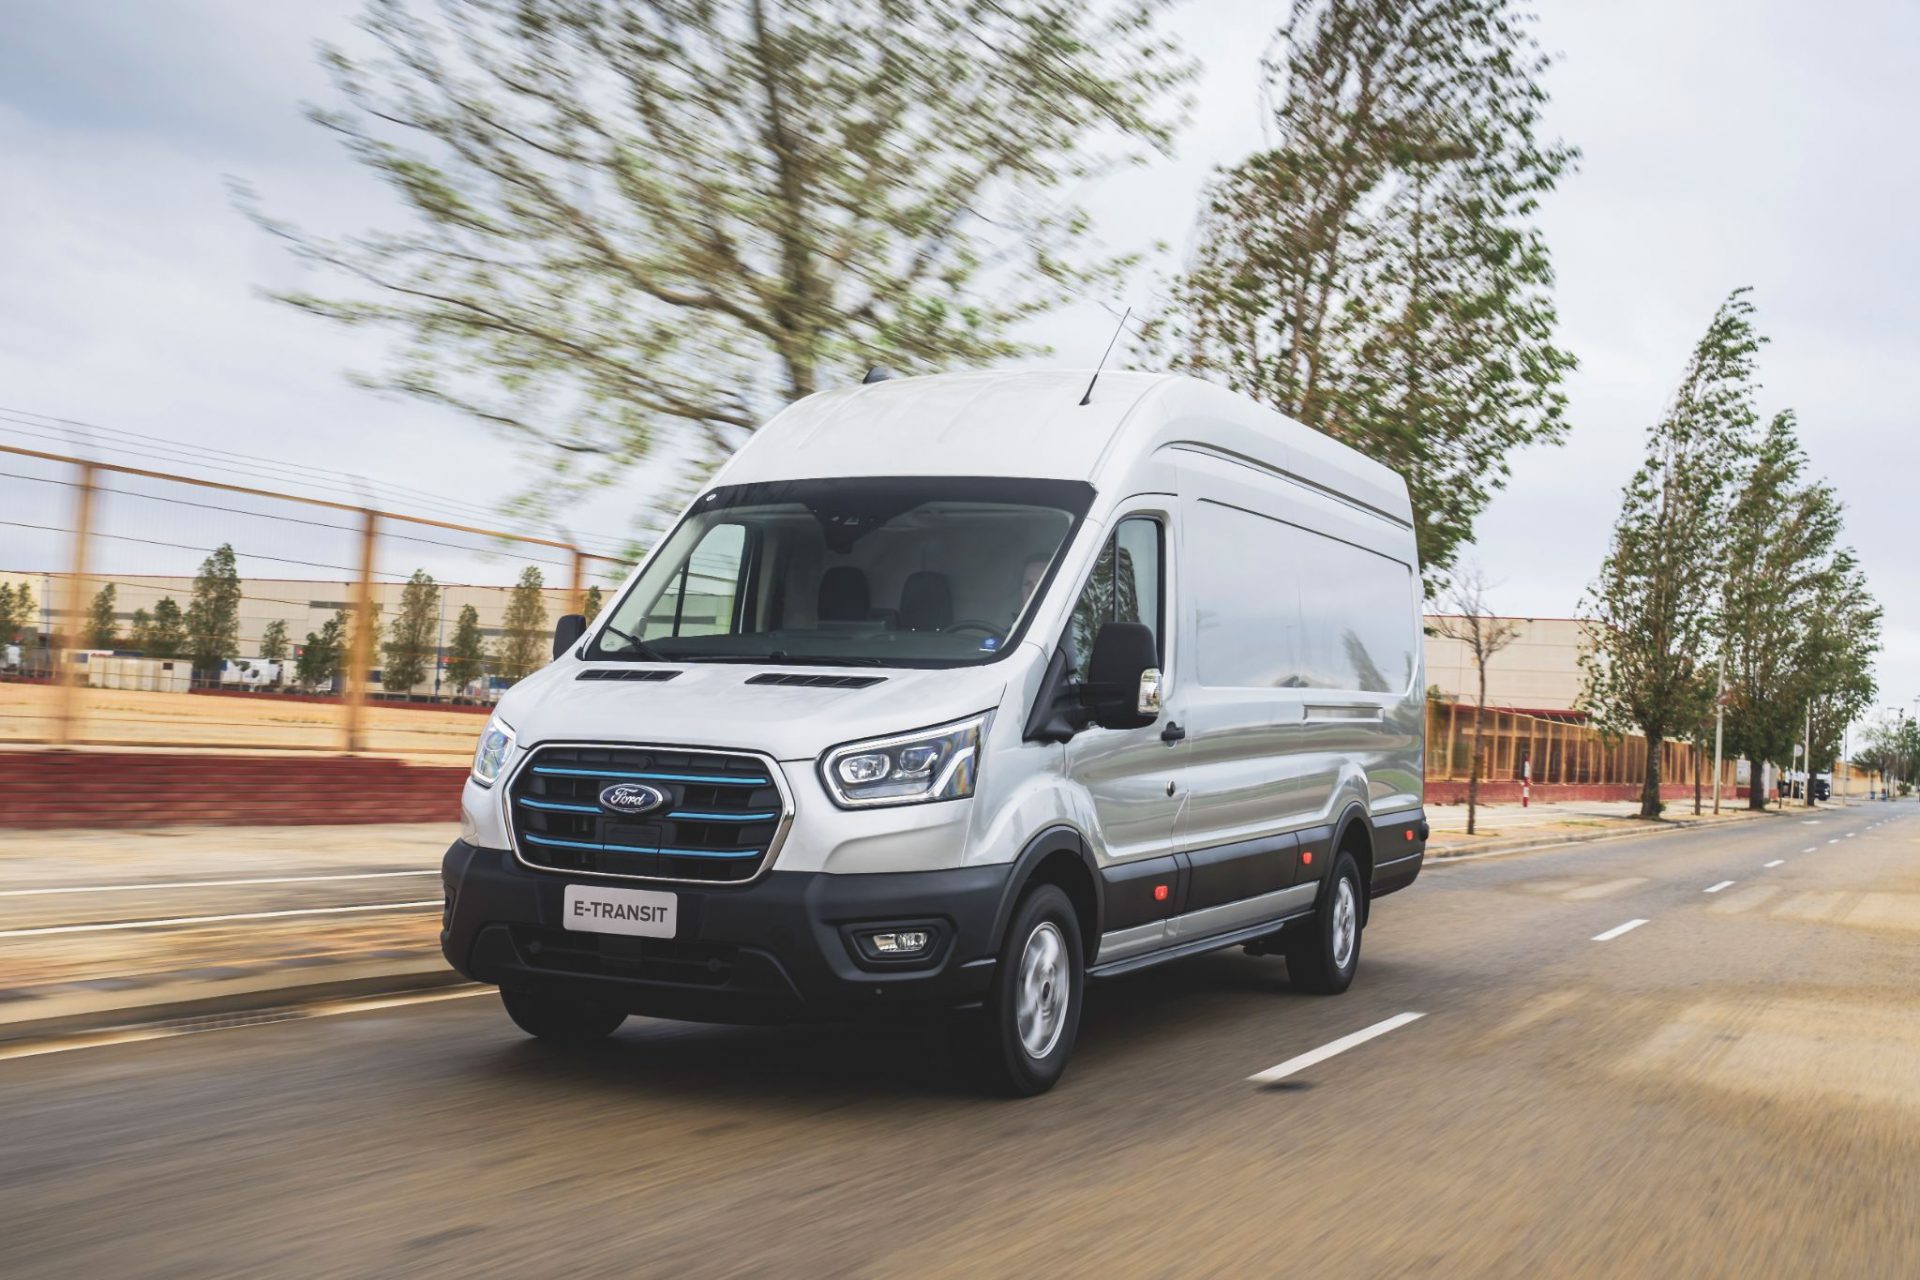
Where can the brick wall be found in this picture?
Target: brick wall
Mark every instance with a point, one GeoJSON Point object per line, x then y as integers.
{"type": "Point", "coordinates": [45, 789]}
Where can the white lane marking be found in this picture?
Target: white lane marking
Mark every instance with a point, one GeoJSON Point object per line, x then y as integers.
{"type": "Point", "coordinates": [1715, 888]}
{"type": "Point", "coordinates": [44, 930]}
{"type": "Point", "coordinates": [331, 1009]}
{"type": "Point", "coordinates": [1852, 834]}
{"type": "Point", "coordinates": [205, 884]}
{"type": "Point", "coordinates": [1617, 930]}
{"type": "Point", "coordinates": [1333, 1047]}
{"type": "Point", "coordinates": [1810, 848]}
{"type": "Point", "coordinates": [1835, 840]}
{"type": "Point", "coordinates": [1776, 862]}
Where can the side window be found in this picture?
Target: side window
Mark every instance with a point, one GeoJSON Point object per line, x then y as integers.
{"type": "Point", "coordinates": [1125, 587]}
{"type": "Point", "coordinates": [700, 602]}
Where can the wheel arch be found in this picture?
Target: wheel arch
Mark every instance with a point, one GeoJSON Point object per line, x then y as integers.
{"type": "Point", "coordinates": [1057, 856]}
{"type": "Point", "coordinates": [1354, 834]}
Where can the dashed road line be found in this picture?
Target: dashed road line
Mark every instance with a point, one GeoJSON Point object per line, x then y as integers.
{"type": "Point", "coordinates": [1835, 840]}
{"type": "Point", "coordinates": [1715, 888]}
{"type": "Point", "coordinates": [1776, 862]}
{"type": "Point", "coordinates": [1810, 848]}
{"type": "Point", "coordinates": [1333, 1047]}
{"type": "Point", "coordinates": [1617, 930]}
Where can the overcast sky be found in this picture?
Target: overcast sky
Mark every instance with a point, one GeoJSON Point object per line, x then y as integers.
{"type": "Point", "coordinates": [1725, 143]}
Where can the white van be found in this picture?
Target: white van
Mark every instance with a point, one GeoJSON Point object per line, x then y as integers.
{"type": "Point", "coordinates": [951, 693]}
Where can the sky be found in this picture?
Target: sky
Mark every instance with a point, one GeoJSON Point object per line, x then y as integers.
{"type": "Point", "coordinates": [1725, 143]}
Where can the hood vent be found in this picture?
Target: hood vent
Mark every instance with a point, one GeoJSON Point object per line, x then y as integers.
{"type": "Point", "coordinates": [652, 674]}
{"type": "Point", "coordinates": [816, 682]}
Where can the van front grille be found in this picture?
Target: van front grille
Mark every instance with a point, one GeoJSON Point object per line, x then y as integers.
{"type": "Point", "coordinates": [716, 818]}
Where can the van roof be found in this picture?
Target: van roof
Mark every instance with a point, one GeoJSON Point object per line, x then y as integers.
{"type": "Point", "coordinates": [1030, 422]}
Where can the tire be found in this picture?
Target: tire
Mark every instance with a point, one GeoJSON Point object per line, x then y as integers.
{"type": "Point", "coordinates": [1323, 956]}
{"type": "Point", "coordinates": [1019, 1042]}
{"type": "Point", "coordinates": [559, 1019]}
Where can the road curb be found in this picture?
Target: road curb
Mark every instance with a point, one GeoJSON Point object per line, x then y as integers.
{"type": "Point", "coordinates": [227, 1005]}
{"type": "Point", "coordinates": [1528, 844]}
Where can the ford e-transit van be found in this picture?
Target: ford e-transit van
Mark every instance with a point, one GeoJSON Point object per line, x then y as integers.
{"type": "Point", "coordinates": [948, 694]}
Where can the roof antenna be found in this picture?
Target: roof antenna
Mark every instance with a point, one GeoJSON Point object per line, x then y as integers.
{"type": "Point", "coordinates": [1088, 398]}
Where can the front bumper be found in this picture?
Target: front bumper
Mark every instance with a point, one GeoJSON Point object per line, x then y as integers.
{"type": "Point", "coordinates": [774, 950]}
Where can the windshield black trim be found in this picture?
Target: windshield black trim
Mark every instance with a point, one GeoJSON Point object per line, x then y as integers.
{"type": "Point", "coordinates": [1075, 497]}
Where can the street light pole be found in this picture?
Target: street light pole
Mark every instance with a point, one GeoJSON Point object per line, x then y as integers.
{"type": "Point", "coordinates": [1719, 725]}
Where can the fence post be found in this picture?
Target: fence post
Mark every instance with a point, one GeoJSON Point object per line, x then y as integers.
{"type": "Point", "coordinates": [64, 641]}
{"type": "Point", "coordinates": [577, 589]}
{"type": "Point", "coordinates": [360, 648]}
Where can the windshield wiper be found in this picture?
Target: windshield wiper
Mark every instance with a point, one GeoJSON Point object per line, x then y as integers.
{"type": "Point", "coordinates": [640, 649]}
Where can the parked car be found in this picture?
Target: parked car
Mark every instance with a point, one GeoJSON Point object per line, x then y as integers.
{"type": "Point", "coordinates": [948, 695]}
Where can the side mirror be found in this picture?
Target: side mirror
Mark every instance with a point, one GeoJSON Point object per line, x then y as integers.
{"type": "Point", "coordinates": [1123, 677]}
{"type": "Point", "coordinates": [567, 631]}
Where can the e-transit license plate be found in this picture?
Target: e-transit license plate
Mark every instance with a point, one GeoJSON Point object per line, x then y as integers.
{"type": "Point", "coordinates": [639, 912]}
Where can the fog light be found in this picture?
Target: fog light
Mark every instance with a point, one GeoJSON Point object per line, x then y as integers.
{"type": "Point", "coordinates": [906, 942]}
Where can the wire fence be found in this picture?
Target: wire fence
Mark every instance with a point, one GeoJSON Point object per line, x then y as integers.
{"type": "Point", "coordinates": [142, 607]}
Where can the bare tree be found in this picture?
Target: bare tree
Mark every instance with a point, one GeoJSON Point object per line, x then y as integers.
{"type": "Point", "coordinates": [1475, 625]}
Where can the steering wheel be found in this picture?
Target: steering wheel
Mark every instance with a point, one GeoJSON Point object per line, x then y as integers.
{"type": "Point", "coordinates": [974, 624]}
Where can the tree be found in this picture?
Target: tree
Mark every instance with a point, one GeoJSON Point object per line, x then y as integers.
{"type": "Point", "coordinates": [523, 629]}
{"type": "Point", "coordinates": [1376, 274]}
{"type": "Point", "coordinates": [273, 641]}
{"type": "Point", "coordinates": [411, 636]}
{"type": "Point", "coordinates": [1475, 625]}
{"type": "Point", "coordinates": [590, 604]}
{"type": "Point", "coordinates": [1652, 611]}
{"type": "Point", "coordinates": [1837, 655]}
{"type": "Point", "coordinates": [467, 654]}
{"type": "Point", "coordinates": [630, 222]}
{"type": "Point", "coordinates": [140, 631]}
{"type": "Point", "coordinates": [213, 615]}
{"type": "Point", "coordinates": [102, 629]}
{"type": "Point", "coordinates": [321, 657]}
{"type": "Point", "coordinates": [166, 634]}
{"type": "Point", "coordinates": [1784, 572]}
{"type": "Point", "coordinates": [16, 614]}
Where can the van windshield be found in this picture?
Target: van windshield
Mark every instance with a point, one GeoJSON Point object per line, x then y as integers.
{"type": "Point", "coordinates": [890, 571]}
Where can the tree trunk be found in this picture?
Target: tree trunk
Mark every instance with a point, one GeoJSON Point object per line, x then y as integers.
{"type": "Point", "coordinates": [1650, 789]}
{"type": "Point", "coordinates": [1473, 769]}
{"type": "Point", "coordinates": [1697, 753]}
{"type": "Point", "coordinates": [1756, 787]}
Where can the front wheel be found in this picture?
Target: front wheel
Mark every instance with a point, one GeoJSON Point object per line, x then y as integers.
{"type": "Point", "coordinates": [1322, 956]}
{"type": "Point", "coordinates": [558, 1019]}
{"type": "Point", "coordinates": [1019, 1042]}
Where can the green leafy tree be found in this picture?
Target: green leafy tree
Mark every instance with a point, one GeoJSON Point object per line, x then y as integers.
{"type": "Point", "coordinates": [591, 604]}
{"type": "Point", "coordinates": [140, 631]}
{"type": "Point", "coordinates": [522, 645]}
{"type": "Point", "coordinates": [467, 652]}
{"type": "Point", "coordinates": [1781, 544]}
{"type": "Point", "coordinates": [1653, 610]}
{"type": "Point", "coordinates": [166, 633]}
{"type": "Point", "coordinates": [213, 615]}
{"type": "Point", "coordinates": [523, 637]}
{"type": "Point", "coordinates": [322, 656]}
{"type": "Point", "coordinates": [102, 628]}
{"type": "Point", "coordinates": [273, 641]}
{"type": "Point", "coordinates": [625, 222]}
{"type": "Point", "coordinates": [1377, 273]}
{"type": "Point", "coordinates": [1837, 655]}
{"type": "Point", "coordinates": [411, 635]}
{"type": "Point", "coordinates": [16, 614]}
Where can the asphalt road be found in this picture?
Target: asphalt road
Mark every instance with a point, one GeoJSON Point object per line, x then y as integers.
{"type": "Point", "coordinates": [1729, 1089]}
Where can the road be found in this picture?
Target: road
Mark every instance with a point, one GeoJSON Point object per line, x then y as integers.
{"type": "Point", "coordinates": [1730, 1089]}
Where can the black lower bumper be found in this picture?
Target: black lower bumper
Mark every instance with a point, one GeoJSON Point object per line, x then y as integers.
{"type": "Point", "coordinates": [778, 949]}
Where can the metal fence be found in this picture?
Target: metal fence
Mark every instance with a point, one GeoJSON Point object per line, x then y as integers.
{"type": "Point", "coordinates": [348, 626]}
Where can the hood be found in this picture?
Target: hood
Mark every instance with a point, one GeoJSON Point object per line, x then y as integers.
{"type": "Point", "coordinates": [715, 705]}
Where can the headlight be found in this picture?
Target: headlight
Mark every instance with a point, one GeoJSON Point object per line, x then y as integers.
{"type": "Point", "coordinates": [496, 744]}
{"type": "Point", "coordinates": [941, 763]}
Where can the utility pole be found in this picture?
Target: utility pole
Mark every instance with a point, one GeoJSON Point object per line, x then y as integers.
{"type": "Point", "coordinates": [1806, 754]}
{"type": "Point", "coordinates": [1719, 725]}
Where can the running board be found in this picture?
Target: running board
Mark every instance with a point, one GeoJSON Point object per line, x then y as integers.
{"type": "Point", "coordinates": [1197, 946]}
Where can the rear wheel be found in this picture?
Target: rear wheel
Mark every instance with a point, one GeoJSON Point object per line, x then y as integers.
{"type": "Point", "coordinates": [559, 1019]}
{"type": "Point", "coordinates": [1019, 1042]}
{"type": "Point", "coordinates": [1323, 955]}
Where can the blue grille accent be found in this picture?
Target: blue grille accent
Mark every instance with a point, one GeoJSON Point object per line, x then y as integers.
{"type": "Point", "coordinates": [634, 848]}
{"type": "Point", "coordinates": [722, 813]}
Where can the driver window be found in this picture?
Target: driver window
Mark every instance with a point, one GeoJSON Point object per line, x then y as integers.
{"type": "Point", "coordinates": [700, 600]}
{"type": "Point", "coordinates": [1125, 587]}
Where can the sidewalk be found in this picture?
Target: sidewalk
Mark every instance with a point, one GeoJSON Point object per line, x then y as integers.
{"type": "Point", "coordinates": [99, 927]}
{"type": "Point", "coordinates": [1509, 827]}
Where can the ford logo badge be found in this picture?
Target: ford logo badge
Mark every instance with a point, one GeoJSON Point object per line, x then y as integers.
{"type": "Point", "coordinates": [631, 797]}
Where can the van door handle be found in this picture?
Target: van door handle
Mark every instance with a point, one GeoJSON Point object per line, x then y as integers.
{"type": "Point", "coordinates": [1172, 733]}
